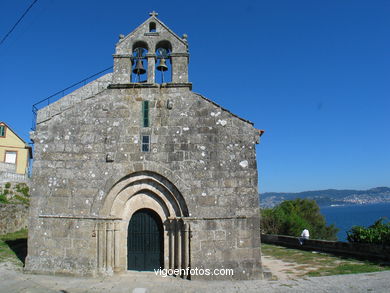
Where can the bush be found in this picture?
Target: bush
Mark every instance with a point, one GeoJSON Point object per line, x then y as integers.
{"type": "Point", "coordinates": [292, 216]}
{"type": "Point", "coordinates": [23, 189]}
{"type": "Point", "coordinates": [7, 185]}
{"type": "Point", "coordinates": [378, 233]}
{"type": "Point", "coordinates": [21, 199]}
{"type": "Point", "coordinates": [3, 198]}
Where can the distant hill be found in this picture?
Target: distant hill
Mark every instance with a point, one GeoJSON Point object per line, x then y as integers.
{"type": "Point", "coordinates": [329, 197]}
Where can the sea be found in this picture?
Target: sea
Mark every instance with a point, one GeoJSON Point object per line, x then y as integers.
{"type": "Point", "coordinates": [346, 216]}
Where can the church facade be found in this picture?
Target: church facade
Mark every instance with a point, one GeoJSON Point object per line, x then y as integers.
{"type": "Point", "coordinates": [134, 171]}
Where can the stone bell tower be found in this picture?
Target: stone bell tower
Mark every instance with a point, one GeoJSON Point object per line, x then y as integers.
{"type": "Point", "coordinates": [134, 171]}
{"type": "Point", "coordinates": [152, 47]}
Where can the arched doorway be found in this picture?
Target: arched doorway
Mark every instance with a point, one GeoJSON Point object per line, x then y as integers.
{"type": "Point", "coordinates": [145, 244]}
{"type": "Point", "coordinates": [136, 192]}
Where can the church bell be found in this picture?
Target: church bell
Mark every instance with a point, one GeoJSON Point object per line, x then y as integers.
{"type": "Point", "coordinates": [162, 66]}
{"type": "Point", "coordinates": [139, 67]}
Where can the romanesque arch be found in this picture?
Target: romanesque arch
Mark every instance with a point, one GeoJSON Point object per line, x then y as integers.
{"type": "Point", "coordinates": [134, 192]}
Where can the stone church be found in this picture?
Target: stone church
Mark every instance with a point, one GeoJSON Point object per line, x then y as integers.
{"type": "Point", "coordinates": [134, 171]}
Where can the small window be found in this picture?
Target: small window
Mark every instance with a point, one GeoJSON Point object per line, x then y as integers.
{"type": "Point", "coordinates": [145, 143]}
{"type": "Point", "coordinates": [152, 27]}
{"type": "Point", "coordinates": [2, 130]}
{"type": "Point", "coordinates": [145, 113]}
{"type": "Point", "coordinates": [10, 157]}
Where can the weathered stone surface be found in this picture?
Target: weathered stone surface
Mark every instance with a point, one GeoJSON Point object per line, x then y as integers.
{"type": "Point", "coordinates": [13, 217]}
{"type": "Point", "coordinates": [91, 175]}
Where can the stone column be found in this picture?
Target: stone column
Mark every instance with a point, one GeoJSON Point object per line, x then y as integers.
{"type": "Point", "coordinates": [185, 245]}
{"type": "Point", "coordinates": [171, 244]}
{"type": "Point", "coordinates": [179, 244]}
{"type": "Point", "coordinates": [101, 239]}
{"type": "Point", "coordinates": [175, 246]}
{"type": "Point", "coordinates": [151, 67]}
{"type": "Point", "coordinates": [109, 246]}
{"type": "Point", "coordinates": [116, 248]}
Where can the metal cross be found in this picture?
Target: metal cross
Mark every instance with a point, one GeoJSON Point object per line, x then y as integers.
{"type": "Point", "coordinates": [153, 13]}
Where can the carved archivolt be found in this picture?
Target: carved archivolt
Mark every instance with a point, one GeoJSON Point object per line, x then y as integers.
{"type": "Point", "coordinates": [137, 191]}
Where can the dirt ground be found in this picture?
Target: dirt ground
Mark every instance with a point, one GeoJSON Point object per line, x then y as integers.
{"type": "Point", "coordinates": [12, 279]}
{"type": "Point", "coordinates": [282, 270]}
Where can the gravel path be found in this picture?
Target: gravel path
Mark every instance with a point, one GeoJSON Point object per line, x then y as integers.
{"type": "Point", "coordinates": [14, 280]}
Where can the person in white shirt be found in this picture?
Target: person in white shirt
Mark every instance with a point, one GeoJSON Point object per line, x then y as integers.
{"type": "Point", "coordinates": [304, 235]}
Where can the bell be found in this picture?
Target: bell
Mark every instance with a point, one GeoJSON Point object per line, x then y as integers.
{"type": "Point", "coordinates": [139, 67]}
{"type": "Point", "coordinates": [162, 66]}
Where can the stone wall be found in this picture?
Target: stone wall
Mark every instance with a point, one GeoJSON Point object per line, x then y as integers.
{"type": "Point", "coordinates": [8, 174]}
{"type": "Point", "coordinates": [13, 217]}
{"type": "Point", "coordinates": [231, 239]}
{"type": "Point", "coordinates": [207, 153]}
{"type": "Point", "coordinates": [361, 250]}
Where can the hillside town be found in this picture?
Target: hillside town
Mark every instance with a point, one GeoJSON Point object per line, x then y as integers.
{"type": "Point", "coordinates": [330, 197]}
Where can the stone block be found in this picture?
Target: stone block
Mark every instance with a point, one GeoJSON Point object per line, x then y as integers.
{"type": "Point", "coordinates": [207, 201]}
{"type": "Point", "coordinates": [220, 235]}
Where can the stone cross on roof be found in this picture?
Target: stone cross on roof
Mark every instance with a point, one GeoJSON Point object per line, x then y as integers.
{"type": "Point", "coordinates": [153, 13]}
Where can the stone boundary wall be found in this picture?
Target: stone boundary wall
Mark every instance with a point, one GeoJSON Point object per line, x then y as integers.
{"type": "Point", "coordinates": [13, 217]}
{"type": "Point", "coordinates": [13, 177]}
{"type": "Point", "coordinates": [8, 174]}
{"type": "Point", "coordinates": [360, 250]}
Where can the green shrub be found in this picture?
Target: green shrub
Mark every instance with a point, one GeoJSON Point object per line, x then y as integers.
{"type": "Point", "coordinates": [7, 185]}
{"type": "Point", "coordinates": [292, 216]}
{"type": "Point", "coordinates": [23, 188]}
{"type": "Point", "coordinates": [22, 199]}
{"type": "Point", "coordinates": [6, 191]}
{"type": "Point", "coordinates": [378, 233]}
{"type": "Point", "coordinates": [3, 198]}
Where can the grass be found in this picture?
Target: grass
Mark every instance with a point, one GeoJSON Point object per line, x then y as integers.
{"type": "Point", "coordinates": [13, 247]}
{"type": "Point", "coordinates": [321, 264]}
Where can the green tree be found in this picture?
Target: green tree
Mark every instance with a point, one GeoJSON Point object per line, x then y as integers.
{"type": "Point", "coordinates": [292, 216]}
{"type": "Point", "coordinates": [378, 233]}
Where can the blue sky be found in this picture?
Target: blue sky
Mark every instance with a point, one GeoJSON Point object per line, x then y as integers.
{"type": "Point", "coordinates": [313, 74]}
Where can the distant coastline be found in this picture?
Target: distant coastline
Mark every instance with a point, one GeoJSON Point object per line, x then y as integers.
{"type": "Point", "coordinates": [330, 197]}
{"type": "Point", "coordinates": [349, 215]}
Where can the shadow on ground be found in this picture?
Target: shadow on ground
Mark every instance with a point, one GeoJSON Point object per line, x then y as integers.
{"type": "Point", "coordinates": [19, 247]}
